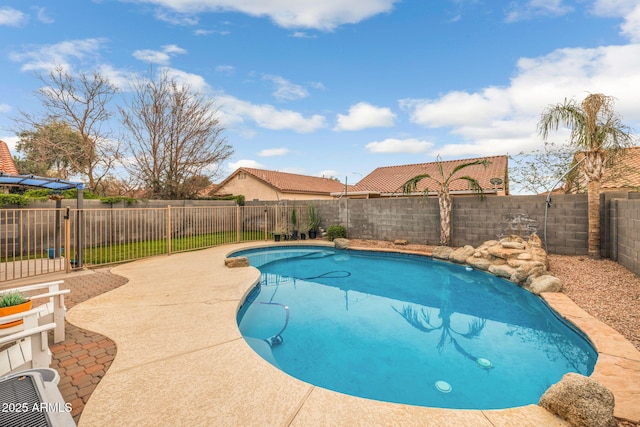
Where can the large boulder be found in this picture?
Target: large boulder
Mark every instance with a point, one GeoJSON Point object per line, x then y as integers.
{"type": "Point", "coordinates": [527, 269]}
{"type": "Point", "coordinates": [341, 243]}
{"type": "Point", "coordinates": [234, 262]}
{"type": "Point", "coordinates": [460, 255]}
{"type": "Point", "coordinates": [502, 270]}
{"type": "Point", "coordinates": [581, 401]}
{"type": "Point", "coordinates": [544, 283]}
{"type": "Point", "coordinates": [441, 252]}
{"type": "Point", "coordinates": [479, 263]}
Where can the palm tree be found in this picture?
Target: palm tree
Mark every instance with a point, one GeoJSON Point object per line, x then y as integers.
{"type": "Point", "coordinates": [442, 183]}
{"type": "Point", "coordinates": [597, 133]}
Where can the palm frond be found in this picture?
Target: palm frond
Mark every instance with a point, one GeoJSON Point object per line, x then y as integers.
{"type": "Point", "coordinates": [421, 323]}
{"type": "Point", "coordinates": [474, 185]}
{"type": "Point", "coordinates": [412, 184]}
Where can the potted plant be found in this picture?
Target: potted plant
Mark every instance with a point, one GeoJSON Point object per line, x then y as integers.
{"type": "Point", "coordinates": [278, 233]}
{"type": "Point", "coordinates": [313, 221]}
{"type": "Point", "coordinates": [11, 303]}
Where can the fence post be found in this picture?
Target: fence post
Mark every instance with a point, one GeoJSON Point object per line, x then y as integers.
{"type": "Point", "coordinates": [168, 229]}
{"type": "Point", "coordinates": [266, 225]}
{"type": "Point", "coordinates": [238, 224]}
{"type": "Point", "coordinates": [67, 242]}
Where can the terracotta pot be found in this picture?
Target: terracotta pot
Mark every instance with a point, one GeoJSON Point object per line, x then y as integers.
{"type": "Point", "coordinates": [6, 311]}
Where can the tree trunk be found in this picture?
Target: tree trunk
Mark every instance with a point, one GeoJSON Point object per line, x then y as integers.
{"type": "Point", "coordinates": [593, 197]}
{"type": "Point", "coordinates": [444, 200]}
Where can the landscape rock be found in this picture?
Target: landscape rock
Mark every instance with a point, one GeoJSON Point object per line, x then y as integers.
{"type": "Point", "coordinates": [401, 242]}
{"type": "Point", "coordinates": [502, 270]}
{"type": "Point", "coordinates": [442, 252]}
{"type": "Point", "coordinates": [525, 269]}
{"type": "Point", "coordinates": [479, 263]}
{"type": "Point", "coordinates": [460, 255]}
{"type": "Point", "coordinates": [234, 262]}
{"type": "Point", "coordinates": [521, 261]}
{"type": "Point", "coordinates": [341, 243]}
{"type": "Point", "coordinates": [581, 401]}
{"type": "Point", "coordinates": [513, 245]}
{"type": "Point", "coordinates": [544, 283]}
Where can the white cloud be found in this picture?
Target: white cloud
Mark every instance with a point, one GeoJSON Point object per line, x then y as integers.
{"type": "Point", "coordinates": [302, 35]}
{"type": "Point", "coordinates": [152, 56]}
{"type": "Point", "coordinates": [194, 81]}
{"type": "Point", "coordinates": [226, 69]}
{"type": "Point", "coordinates": [363, 115]}
{"type": "Point", "coordinates": [161, 57]}
{"type": "Point", "coordinates": [175, 18]}
{"type": "Point", "coordinates": [11, 142]}
{"type": "Point", "coordinates": [173, 49]}
{"type": "Point", "coordinates": [41, 14]}
{"type": "Point", "coordinates": [273, 152]}
{"type": "Point", "coordinates": [629, 10]}
{"type": "Point", "coordinates": [5, 108]}
{"type": "Point", "coordinates": [11, 17]}
{"type": "Point", "coordinates": [47, 57]}
{"type": "Point", "coordinates": [393, 145]}
{"type": "Point", "coordinates": [286, 90]}
{"type": "Point", "coordinates": [533, 8]}
{"type": "Point", "coordinates": [503, 120]}
{"type": "Point", "coordinates": [245, 164]}
{"type": "Point", "coordinates": [327, 173]}
{"type": "Point", "coordinates": [631, 25]}
{"type": "Point", "coordinates": [458, 108]}
{"type": "Point", "coordinates": [322, 15]}
{"type": "Point", "coordinates": [236, 112]}
{"type": "Point", "coordinates": [119, 78]}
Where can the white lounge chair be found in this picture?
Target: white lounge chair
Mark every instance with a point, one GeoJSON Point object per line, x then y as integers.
{"type": "Point", "coordinates": [53, 310]}
{"type": "Point", "coordinates": [28, 348]}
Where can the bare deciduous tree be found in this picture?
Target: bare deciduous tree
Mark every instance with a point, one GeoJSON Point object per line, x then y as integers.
{"type": "Point", "coordinates": [81, 101]}
{"type": "Point", "coordinates": [176, 137]}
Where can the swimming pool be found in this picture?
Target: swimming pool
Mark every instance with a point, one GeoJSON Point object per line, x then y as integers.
{"type": "Point", "coordinates": [406, 329]}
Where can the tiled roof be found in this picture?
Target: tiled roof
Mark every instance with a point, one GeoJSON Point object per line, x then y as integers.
{"type": "Point", "coordinates": [6, 161]}
{"type": "Point", "coordinates": [390, 179]}
{"type": "Point", "coordinates": [294, 183]}
{"type": "Point", "coordinates": [625, 176]}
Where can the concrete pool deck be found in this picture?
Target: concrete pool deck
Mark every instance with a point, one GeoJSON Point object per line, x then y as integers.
{"type": "Point", "coordinates": [182, 361]}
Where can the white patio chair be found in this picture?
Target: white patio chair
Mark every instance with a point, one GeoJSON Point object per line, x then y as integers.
{"type": "Point", "coordinates": [53, 310]}
{"type": "Point", "coordinates": [28, 348]}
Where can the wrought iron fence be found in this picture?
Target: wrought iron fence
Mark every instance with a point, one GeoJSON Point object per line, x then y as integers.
{"type": "Point", "coordinates": [40, 241]}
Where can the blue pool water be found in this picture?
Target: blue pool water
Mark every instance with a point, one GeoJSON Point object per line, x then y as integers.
{"type": "Point", "coordinates": [406, 329]}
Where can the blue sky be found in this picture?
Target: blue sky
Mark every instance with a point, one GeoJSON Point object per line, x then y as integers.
{"type": "Point", "coordinates": [338, 88]}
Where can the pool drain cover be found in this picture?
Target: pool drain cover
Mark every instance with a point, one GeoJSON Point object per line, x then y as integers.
{"type": "Point", "coordinates": [443, 386]}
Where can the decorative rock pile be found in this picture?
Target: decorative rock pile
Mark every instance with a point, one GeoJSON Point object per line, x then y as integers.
{"type": "Point", "coordinates": [522, 262]}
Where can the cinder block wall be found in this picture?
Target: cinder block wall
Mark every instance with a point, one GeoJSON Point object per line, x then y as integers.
{"type": "Point", "coordinates": [473, 220]}
{"type": "Point", "coordinates": [625, 232]}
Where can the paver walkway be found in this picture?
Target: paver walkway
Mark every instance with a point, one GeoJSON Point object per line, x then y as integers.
{"type": "Point", "coordinates": [84, 356]}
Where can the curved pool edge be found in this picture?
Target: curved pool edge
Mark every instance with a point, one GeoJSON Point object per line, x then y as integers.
{"type": "Point", "coordinates": [163, 385]}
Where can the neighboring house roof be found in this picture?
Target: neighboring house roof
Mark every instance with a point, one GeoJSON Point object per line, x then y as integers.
{"type": "Point", "coordinates": [623, 175]}
{"type": "Point", "coordinates": [7, 164]}
{"type": "Point", "coordinates": [626, 174]}
{"type": "Point", "coordinates": [291, 182]}
{"type": "Point", "coordinates": [389, 180]}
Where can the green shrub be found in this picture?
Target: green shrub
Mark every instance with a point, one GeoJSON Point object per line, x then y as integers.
{"type": "Point", "coordinates": [336, 231]}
